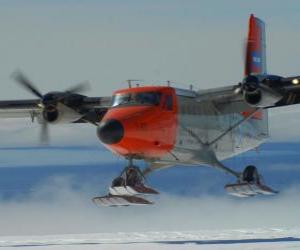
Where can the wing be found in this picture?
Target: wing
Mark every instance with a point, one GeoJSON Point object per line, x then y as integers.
{"type": "Point", "coordinates": [19, 108]}
{"type": "Point", "coordinates": [274, 91]}
{"type": "Point", "coordinates": [89, 109]}
{"type": "Point", "coordinates": [224, 99]}
{"type": "Point", "coordinates": [93, 109]}
{"type": "Point", "coordinates": [289, 87]}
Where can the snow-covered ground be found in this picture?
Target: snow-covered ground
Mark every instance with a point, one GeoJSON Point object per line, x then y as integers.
{"type": "Point", "coordinates": [205, 239]}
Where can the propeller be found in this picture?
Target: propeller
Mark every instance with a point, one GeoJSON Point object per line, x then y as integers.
{"type": "Point", "coordinates": [44, 133]}
{"type": "Point", "coordinates": [49, 101]}
{"type": "Point", "coordinates": [238, 89]}
{"type": "Point", "coordinates": [79, 88]}
{"type": "Point", "coordinates": [26, 83]}
{"type": "Point", "coordinates": [249, 84]}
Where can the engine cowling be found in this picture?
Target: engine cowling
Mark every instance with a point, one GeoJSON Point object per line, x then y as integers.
{"type": "Point", "coordinates": [257, 94]}
{"type": "Point", "coordinates": [59, 114]}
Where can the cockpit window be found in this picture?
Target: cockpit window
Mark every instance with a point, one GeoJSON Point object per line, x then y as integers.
{"type": "Point", "coordinates": [148, 98]}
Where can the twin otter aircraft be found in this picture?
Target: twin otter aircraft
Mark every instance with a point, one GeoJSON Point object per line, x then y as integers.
{"type": "Point", "coordinates": [167, 126]}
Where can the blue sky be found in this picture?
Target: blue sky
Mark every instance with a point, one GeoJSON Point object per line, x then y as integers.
{"type": "Point", "coordinates": [59, 43]}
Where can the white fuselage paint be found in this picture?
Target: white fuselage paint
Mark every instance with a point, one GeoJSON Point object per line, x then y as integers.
{"type": "Point", "coordinates": [200, 123]}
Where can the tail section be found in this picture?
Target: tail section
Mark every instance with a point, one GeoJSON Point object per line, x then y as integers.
{"type": "Point", "coordinates": [256, 48]}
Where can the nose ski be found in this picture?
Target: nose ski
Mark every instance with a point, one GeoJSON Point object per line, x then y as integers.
{"type": "Point", "coordinates": [127, 189]}
{"type": "Point", "coordinates": [118, 200]}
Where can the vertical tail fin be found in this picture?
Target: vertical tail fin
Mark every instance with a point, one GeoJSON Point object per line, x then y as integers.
{"type": "Point", "coordinates": [256, 47]}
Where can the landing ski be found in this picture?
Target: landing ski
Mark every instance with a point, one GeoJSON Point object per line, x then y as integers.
{"type": "Point", "coordinates": [249, 189]}
{"type": "Point", "coordinates": [119, 200]}
{"type": "Point", "coordinates": [131, 190]}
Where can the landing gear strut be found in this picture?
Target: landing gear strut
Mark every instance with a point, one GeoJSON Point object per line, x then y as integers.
{"type": "Point", "coordinates": [251, 175]}
{"type": "Point", "coordinates": [130, 176]}
{"type": "Point", "coordinates": [127, 189]}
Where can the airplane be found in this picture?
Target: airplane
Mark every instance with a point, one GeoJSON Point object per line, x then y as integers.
{"type": "Point", "coordinates": [167, 126]}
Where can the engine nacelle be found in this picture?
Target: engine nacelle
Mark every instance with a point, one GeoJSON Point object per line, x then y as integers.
{"type": "Point", "coordinates": [261, 97]}
{"type": "Point", "coordinates": [59, 114]}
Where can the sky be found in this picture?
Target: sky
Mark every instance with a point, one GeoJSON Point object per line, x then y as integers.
{"type": "Point", "coordinates": [60, 43]}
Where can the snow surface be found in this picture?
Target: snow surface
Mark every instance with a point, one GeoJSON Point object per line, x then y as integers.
{"type": "Point", "coordinates": [205, 239]}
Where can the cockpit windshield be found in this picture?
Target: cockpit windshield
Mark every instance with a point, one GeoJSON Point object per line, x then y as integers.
{"type": "Point", "coordinates": [144, 98]}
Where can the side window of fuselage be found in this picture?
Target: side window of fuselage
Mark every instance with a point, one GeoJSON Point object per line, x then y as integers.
{"type": "Point", "coordinates": [168, 103]}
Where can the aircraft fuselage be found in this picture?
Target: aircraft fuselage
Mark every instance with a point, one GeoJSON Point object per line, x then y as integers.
{"type": "Point", "coordinates": [165, 124]}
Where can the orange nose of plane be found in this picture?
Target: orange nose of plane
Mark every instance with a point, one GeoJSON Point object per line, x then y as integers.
{"type": "Point", "coordinates": [142, 122]}
{"type": "Point", "coordinates": [140, 132]}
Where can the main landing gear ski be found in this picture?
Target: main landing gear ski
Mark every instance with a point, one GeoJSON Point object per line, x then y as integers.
{"type": "Point", "coordinates": [249, 184]}
{"type": "Point", "coordinates": [127, 189]}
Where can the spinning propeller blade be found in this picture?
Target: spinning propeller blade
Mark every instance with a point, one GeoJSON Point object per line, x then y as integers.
{"type": "Point", "coordinates": [79, 88]}
{"type": "Point", "coordinates": [44, 133]}
{"type": "Point", "coordinates": [26, 84]}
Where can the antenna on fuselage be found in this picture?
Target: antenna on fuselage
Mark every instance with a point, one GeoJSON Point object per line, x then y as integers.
{"type": "Point", "coordinates": [170, 82]}
{"type": "Point", "coordinates": [190, 86]}
{"type": "Point", "coordinates": [130, 81]}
